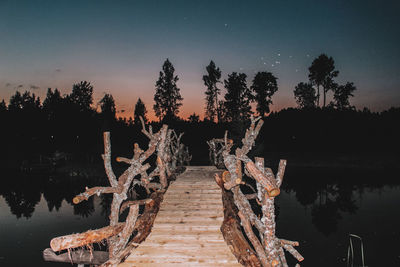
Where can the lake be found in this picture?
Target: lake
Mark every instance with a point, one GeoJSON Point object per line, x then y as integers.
{"type": "Point", "coordinates": [319, 207]}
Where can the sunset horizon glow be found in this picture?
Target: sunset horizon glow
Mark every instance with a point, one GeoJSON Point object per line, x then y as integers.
{"type": "Point", "coordinates": [120, 47]}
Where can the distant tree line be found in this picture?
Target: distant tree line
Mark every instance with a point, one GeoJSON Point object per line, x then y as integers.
{"type": "Point", "coordinates": [72, 124]}
{"type": "Point", "coordinates": [238, 97]}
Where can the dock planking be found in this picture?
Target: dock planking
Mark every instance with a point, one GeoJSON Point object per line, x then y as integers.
{"type": "Point", "coordinates": [186, 231]}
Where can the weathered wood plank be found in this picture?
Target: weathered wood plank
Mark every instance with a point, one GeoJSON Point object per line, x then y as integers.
{"type": "Point", "coordinates": [186, 231]}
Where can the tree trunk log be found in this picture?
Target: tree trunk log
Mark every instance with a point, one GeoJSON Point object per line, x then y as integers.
{"type": "Point", "coordinates": [232, 232]}
{"type": "Point", "coordinates": [143, 227]}
{"type": "Point", "coordinates": [267, 182]}
{"type": "Point", "coordinates": [82, 239]}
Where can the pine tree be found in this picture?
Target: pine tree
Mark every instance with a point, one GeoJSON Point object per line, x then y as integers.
{"type": "Point", "coordinates": [237, 98]}
{"type": "Point", "coordinates": [167, 97]}
{"type": "Point", "coordinates": [211, 80]}
{"type": "Point", "coordinates": [264, 86]}
{"type": "Point", "coordinates": [107, 105]}
{"type": "Point", "coordinates": [140, 111]}
{"type": "Point", "coordinates": [82, 95]}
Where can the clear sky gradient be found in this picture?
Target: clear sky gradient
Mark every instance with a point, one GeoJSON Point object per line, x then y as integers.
{"type": "Point", "coordinates": [120, 46]}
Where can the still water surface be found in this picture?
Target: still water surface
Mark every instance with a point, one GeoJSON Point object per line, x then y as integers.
{"type": "Point", "coordinates": [318, 207]}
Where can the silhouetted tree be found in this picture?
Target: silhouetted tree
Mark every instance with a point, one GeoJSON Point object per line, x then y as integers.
{"type": "Point", "coordinates": [322, 71]}
{"type": "Point", "coordinates": [212, 92]}
{"type": "Point", "coordinates": [304, 93]}
{"type": "Point", "coordinates": [194, 118]}
{"type": "Point", "coordinates": [82, 95]}
{"type": "Point", "coordinates": [140, 110]}
{"type": "Point", "coordinates": [222, 111]}
{"type": "Point", "coordinates": [237, 98]}
{"type": "Point", "coordinates": [107, 105]}
{"type": "Point", "coordinates": [3, 106]}
{"type": "Point", "coordinates": [52, 103]}
{"type": "Point", "coordinates": [26, 102]}
{"type": "Point", "coordinates": [264, 86]}
{"type": "Point", "coordinates": [342, 94]}
{"type": "Point", "coordinates": [167, 98]}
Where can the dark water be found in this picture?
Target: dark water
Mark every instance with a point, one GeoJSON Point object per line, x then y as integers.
{"type": "Point", "coordinates": [318, 207]}
{"type": "Point", "coordinates": [36, 208]}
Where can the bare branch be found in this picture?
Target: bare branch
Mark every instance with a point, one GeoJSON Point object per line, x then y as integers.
{"type": "Point", "coordinates": [253, 239]}
{"type": "Point", "coordinates": [107, 159]}
{"type": "Point", "coordinates": [281, 172]}
{"type": "Point", "coordinates": [129, 203]}
{"type": "Point", "coordinates": [268, 183]}
{"type": "Point", "coordinates": [293, 251]}
{"type": "Point", "coordinates": [95, 190]}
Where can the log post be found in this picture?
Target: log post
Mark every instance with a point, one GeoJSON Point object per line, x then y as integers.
{"type": "Point", "coordinates": [83, 239]}
{"type": "Point", "coordinates": [268, 247]}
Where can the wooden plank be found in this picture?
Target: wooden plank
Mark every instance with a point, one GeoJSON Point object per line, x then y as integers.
{"type": "Point", "coordinates": [186, 231]}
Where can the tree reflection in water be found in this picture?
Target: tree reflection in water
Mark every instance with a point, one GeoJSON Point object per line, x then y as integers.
{"type": "Point", "coordinates": [331, 192]}
{"type": "Point", "coordinates": [23, 192]}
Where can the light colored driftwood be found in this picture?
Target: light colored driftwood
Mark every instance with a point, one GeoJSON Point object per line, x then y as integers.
{"type": "Point", "coordinates": [216, 147]}
{"type": "Point", "coordinates": [268, 183]}
{"type": "Point", "coordinates": [253, 239]}
{"type": "Point", "coordinates": [232, 232]}
{"type": "Point", "coordinates": [177, 149]}
{"type": "Point", "coordinates": [82, 239]}
{"type": "Point", "coordinates": [127, 204]}
{"type": "Point", "coordinates": [268, 247]}
{"type": "Point", "coordinates": [143, 227]}
{"type": "Point", "coordinates": [118, 234]}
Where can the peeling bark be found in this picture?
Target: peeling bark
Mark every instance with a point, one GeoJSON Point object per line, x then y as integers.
{"type": "Point", "coordinates": [82, 239]}
{"type": "Point", "coordinates": [232, 232]}
{"type": "Point", "coordinates": [268, 247]}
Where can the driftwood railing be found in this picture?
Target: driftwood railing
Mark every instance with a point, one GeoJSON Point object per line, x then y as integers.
{"type": "Point", "coordinates": [268, 248]}
{"type": "Point", "coordinates": [216, 148]}
{"type": "Point", "coordinates": [170, 154]}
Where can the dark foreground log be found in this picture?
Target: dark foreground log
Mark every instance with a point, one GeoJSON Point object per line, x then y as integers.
{"type": "Point", "coordinates": [232, 231]}
{"type": "Point", "coordinates": [142, 227]}
{"type": "Point", "coordinates": [77, 256]}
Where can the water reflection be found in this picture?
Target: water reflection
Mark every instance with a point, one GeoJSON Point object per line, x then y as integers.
{"type": "Point", "coordinates": [317, 206]}
{"type": "Point", "coordinates": [328, 193]}
{"type": "Point", "coordinates": [23, 192]}
{"type": "Point", "coordinates": [331, 194]}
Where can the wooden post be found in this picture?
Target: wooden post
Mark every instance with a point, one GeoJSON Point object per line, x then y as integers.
{"type": "Point", "coordinates": [268, 247]}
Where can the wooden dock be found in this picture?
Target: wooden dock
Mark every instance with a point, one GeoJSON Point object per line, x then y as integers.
{"type": "Point", "coordinates": [186, 230]}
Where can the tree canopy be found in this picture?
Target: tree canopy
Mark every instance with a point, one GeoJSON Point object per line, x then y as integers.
{"type": "Point", "coordinates": [305, 96]}
{"type": "Point", "coordinates": [342, 94]}
{"type": "Point", "coordinates": [322, 71]}
{"type": "Point", "coordinates": [237, 97]}
{"type": "Point", "coordinates": [167, 97]}
{"type": "Point", "coordinates": [264, 86]}
{"type": "Point", "coordinates": [107, 105]}
{"type": "Point", "coordinates": [140, 111]}
{"type": "Point", "coordinates": [82, 95]}
{"type": "Point", "coordinates": [210, 81]}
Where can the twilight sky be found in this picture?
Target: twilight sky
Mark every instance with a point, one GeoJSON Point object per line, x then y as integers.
{"type": "Point", "coordinates": [120, 46]}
